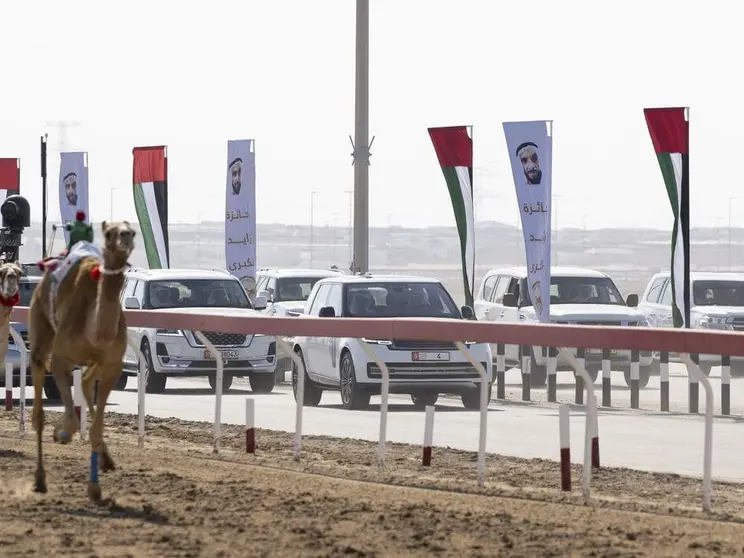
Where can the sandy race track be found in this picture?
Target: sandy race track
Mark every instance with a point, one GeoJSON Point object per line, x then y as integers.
{"type": "Point", "coordinates": [176, 499]}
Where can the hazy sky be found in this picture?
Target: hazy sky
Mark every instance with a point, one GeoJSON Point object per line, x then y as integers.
{"type": "Point", "coordinates": [193, 75]}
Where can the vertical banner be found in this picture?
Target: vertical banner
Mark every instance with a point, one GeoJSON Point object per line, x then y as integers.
{"type": "Point", "coordinates": [530, 146]}
{"type": "Point", "coordinates": [240, 213]}
{"type": "Point", "coordinates": [10, 176]}
{"type": "Point", "coordinates": [454, 148]}
{"type": "Point", "coordinates": [73, 187]}
{"type": "Point", "coordinates": [670, 135]}
{"type": "Point", "coordinates": [150, 179]}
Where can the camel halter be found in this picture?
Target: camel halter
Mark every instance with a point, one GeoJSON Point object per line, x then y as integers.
{"type": "Point", "coordinates": [12, 301]}
{"type": "Point", "coordinates": [97, 271]}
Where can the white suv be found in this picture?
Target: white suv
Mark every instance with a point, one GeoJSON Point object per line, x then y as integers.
{"type": "Point", "coordinates": [577, 296]}
{"type": "Point", "coordinates": [423, 369]}
{"type": "Point", "coordinates": [717, 302]}
{"type": "Point", "coordinates": [286, 290]}
{"type": "Point", "coordinates": [176, 352]}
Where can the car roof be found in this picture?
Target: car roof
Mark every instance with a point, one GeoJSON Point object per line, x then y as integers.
{"type": "Point", "coordinates": [555, 271]}
{"type": "Point", "coordinates": [299, 272]}
{"type": "Point", "coordinates": [181, 273]}
{"type": "Point", "coordinates": [708, 275]}
{"type": "Point", "coordinates": [370, 278]}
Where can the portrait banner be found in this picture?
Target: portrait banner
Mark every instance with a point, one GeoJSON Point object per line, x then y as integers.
{"type": "Point", "coordinates": [530, 146]}
{"type": "Point", "coordinates": [10, 176]}
{"type": "Point", "coordinates": [240, 213]}
{"type": "Point", "coordinates": [150, 187]}
{"type": "Point", "coordinates": [669, 129]}
{"type": "Point", "coordinates": [73, 187]}
{"type": "Point", "coordinates": [454, 148]}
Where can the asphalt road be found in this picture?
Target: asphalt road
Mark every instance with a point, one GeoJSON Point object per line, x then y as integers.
{"type": "Point", "coordinates": [643, 439]}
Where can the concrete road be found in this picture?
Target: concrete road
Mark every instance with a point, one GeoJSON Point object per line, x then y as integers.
{"type": "Point", "coordinates": [645, 439]}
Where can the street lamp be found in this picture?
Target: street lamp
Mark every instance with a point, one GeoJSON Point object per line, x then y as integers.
{"type": "Point", "coordinates": [312, 211]}
{"type": "Point", "coordinates": [111, 203]}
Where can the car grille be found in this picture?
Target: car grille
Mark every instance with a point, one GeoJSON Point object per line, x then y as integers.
{"type": "Point", "coordinates": [609, 323]}
{"type": "Point", "coordinates": [435, 346]}
{"type": "Point", "coordinates": [425, 371]}
{"type": "Point", "coordinates": [219, 339]}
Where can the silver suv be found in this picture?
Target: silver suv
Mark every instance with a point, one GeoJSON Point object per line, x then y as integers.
{"type": "Point", "coordinates": [176, 352]}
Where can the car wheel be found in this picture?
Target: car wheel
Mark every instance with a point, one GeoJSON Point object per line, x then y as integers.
{"type": "Point", "coordinates": [706, 367]}
{"type": "Point", "coordinates": [51, 391]}
{"type": "Point", "coordinates": [423, 399]}
{"type": "Point", "coordinates": [538, 374]}
{"type": "Point", "coordinates": [471, 398]}
{"type": "Point", "coordinates": [154, 383]}
{"type": "Point", "coordinates": [261, 383]}
{"type": "Point", "coordinates": [352, 396]}
{"type": "Point", "coordinates": [227, 381]}
{"type": "Point", "coordinates": [311, 393]}
{"type": "Point", "coordinates": [644, 375]}
{"type": "Point", "coordinates": [593, 373]}
{"type": "Point", "coordinates": [121, 382]}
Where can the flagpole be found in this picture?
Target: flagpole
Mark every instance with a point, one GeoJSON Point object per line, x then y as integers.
{"type": "Point", "coordinates": [685, 220]}
{"type": "Point", "coordinates": [43, 195]}
{"type": "Point", "coordinates": [472, 196]}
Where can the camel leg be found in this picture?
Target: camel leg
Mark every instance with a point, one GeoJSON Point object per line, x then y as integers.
{"type": "Point", "coordinates": [107, 379]}
{"type": "Point", "coordinates": [38, 371]}
{"type": "Point", "coordinates": [89, 381]}
{"type": "Point", "coordinates": [62, 371]}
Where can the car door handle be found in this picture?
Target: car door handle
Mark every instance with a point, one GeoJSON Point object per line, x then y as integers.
{"type": "Point", "coordinates": [487, 311]}
{"type": "Point", "coordinates": [502, 313]}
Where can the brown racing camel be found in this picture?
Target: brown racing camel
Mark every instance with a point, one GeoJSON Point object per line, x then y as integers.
{"type": "Point", "coordinates": [10, 280]}
{"type": "Point", "coordinates": [83, 325]}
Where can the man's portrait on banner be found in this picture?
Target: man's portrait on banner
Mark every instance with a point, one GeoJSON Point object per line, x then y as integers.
{"type": "Point", "coordinates": [236, 175]}
{"type": "Point", "coordinates": [530, 160]}
{"type": "Point", "coordinates": [70, 182]}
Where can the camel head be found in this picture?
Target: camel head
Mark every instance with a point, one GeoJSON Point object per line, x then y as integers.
{"type": "Point", "coordinates": [118, 243]}
{"type": "Point", "coordinates": [10, 279]}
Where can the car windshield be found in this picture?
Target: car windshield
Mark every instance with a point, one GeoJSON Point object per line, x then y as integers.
{"type": "Point", "coordinates": [27, 289]}
{"type": "Point", "coordinates": [294, 288]}
{"type": "Point", "coordinates": [718, 293]}
{"type": "Point", "coordinates": [204, 293]}
{"type": "Point", "coordinates": [577, 290]}
{"type": "Point", "coordinates": [398, 299]}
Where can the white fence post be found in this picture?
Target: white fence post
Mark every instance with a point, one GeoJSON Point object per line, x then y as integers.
{"type": "Point", "coordinates": [8, 386]}
{"type": "Point", "coordinates": [428, 435]}
{"type": "Point", "coordinates": [21, 344]}
{"type": "Point", "coordinates": [141, 380]}
{"type": "Point", "coordinates": [384, 391]}
{"type": "Point", "coordinates": [564, 434]}
{"type": "Point", "coordinates": [483, 411]}
{"type": "Point", "coordinates": [220, 374]}
{"type": "Point", "coordinates": [694, 371]}
{"type": "Point", "coordinates": [299, 393]}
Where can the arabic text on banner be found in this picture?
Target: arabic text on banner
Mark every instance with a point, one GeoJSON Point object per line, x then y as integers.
{"type": "Point", "coordinates": [240, 212]}
{"type": "Point", "coordinates": [531, 155]}
{"type": "Point", "coordinates": [73, 186]}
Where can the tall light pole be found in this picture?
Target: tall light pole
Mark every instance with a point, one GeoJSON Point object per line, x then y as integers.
{"type": "Point", "coordinates": [360, 144]}
{"type": "Point", "coordinates": [730, 200]}
{"type": "Point", "coordinates": [111, 202]}
{"type": "Point", "coordinates": [350, 193]}
{"type": "Point", "coordinates": [312, 212]}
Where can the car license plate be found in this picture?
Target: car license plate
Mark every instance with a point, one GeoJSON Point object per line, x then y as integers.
{"type": "Point", "coordinates": [613, 352]}
{"type": "Point", "coordinates": [226, 355]}
{"type": "Point", "coordinates": [430, 356]}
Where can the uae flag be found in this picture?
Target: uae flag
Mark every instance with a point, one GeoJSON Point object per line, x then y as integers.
{"type": "Point", "coordinates": [10, 176]}
{"type": "Point", "coordinates": [454, 149]}
{"type": "Point", "coordinates": [150, 179]}
{"type": "Point", "coordinates": [670, 132]}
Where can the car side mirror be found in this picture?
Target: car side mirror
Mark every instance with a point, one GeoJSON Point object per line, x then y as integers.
{"type": "Point", "coordinates": [131, 303]}
{"type": "Point", "coordinates": [632, 300]}
{"type": "Point", "coordinates": [260, 302]}
{"type": "Point", "coordinates": [510, 301]}
{"type": "Point", "coordinates": [265, 294]}
{"type": "Point", "coordinates": [327, 312]}
{"type": "Point", "coordinates": [467, 312]}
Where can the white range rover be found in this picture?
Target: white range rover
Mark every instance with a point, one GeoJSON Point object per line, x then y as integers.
{"type": "Point", "coordinates": [422, 369]}
{"type": "Point", "coordinates": [717, 303]}
{"type": "Point", "coordinates": [177, 352]}
{"type": "Point", "coordinates": [577, 296]}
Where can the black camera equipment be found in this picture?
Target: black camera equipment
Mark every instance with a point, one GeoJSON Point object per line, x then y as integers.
{"type": "Point", "coordinates": [16, 215]}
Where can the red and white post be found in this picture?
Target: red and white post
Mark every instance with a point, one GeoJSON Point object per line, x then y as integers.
{"type": "Point", "coordinates": [81, 408]}
{"type": "Point", "coordinates": [594, 425]}
{"type": "Point", "coordinates": [428, 435]}
{"type": "Point", "coordinates": [8, 386]}
{"type": "Point", "coordinates": [563, 428]}
{"type": "Point", "coordinates": [250, 425]}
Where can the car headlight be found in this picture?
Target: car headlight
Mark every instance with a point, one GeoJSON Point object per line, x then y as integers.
{"type": "Point", "coordinates": [169, 332]}
{"type": "Point", "coordinates": [377, 341]}
{"type": "Point", "coordinates": [716, 322]}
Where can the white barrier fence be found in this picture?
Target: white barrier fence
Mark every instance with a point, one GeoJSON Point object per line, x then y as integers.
{"type": "Point", "coordinates": [682, 342]}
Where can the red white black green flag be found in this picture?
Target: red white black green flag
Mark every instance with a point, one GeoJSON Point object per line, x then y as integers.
{"type": "Point", "coordinates": [454, 148]}
{"type": "Point", "coordinates": [670, 134]}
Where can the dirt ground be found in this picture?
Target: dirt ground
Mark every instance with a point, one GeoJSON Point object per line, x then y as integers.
{"type": "Point", "coordinates": [175, 498]}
